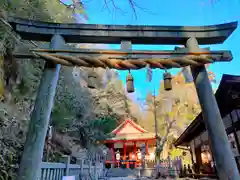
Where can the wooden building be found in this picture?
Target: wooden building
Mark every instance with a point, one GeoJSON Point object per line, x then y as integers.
{"type": "Point", "coordinates": [128, 140]}
{"type": "Point", "coordinates": [195, 137]}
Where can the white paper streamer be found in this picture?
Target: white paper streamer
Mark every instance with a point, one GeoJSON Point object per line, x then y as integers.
{"type": "Point", "coordinates": [149, 73]}
{"type": "Point", "coordinates": [107, 77]}
{"type": "Point", "coordinates": [187, 74]}
{"type": "Point", "coordinates": [50, 132]}
{"type": "Point", "coordinates": [79, 76]}
{"type": "Point", "coordinates": [167, 105]}
{"type": "Point", "coordinates": [76, 73]}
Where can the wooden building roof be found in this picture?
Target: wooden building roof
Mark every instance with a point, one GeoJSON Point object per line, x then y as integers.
{"type": "Point", "coordinates": [228, 98]}
{"type": "Point", "coordinates": [132, 137]}
{"type": "Point", "coordinates": [129, 130]}
{"type": "Point", "coordinates": [128, 126]}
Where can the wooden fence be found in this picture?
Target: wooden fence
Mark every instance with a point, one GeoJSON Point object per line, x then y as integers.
{"type": "Point", "coordinates": [166, 167]}
{"type": "Point", "coordinates": [82, 170]}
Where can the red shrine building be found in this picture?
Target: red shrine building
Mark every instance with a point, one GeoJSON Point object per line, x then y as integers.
{"type": "Point", "coordinates": [126, 144]}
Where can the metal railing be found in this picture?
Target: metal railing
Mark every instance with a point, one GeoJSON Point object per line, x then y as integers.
{"type": "Point", "coordinates": [82, 170]}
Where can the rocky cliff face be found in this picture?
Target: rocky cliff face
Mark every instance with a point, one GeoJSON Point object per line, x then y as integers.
{"type": "Point", "coordinates": [75, 104]}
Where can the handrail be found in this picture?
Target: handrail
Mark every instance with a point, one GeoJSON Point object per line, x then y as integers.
{"type": "Point", "coordinates": [55, 171]}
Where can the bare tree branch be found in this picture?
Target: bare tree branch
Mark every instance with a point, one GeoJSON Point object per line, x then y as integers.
{"type": "Point", "coordinates": [76, 4]}
{"type": "Point", "coordinates": [169, 124]}
{"type": "Point", "coordinates": [142, 8]}
{"type": "Point", "coordinates": [116, 7]}
{"type": "Point", "coordinates": [70, 6]}
{"type": "Point", "coordinates": [106, 5]}
{"type": "Point", "coordinates": [133, 4]}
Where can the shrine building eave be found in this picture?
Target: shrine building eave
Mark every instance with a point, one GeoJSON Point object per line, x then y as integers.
{"type": "Point", "coordinates": [131, 137]}
{"type": "Point", "coordinates": [114, 34]}
{"type": "Point", "coordinates": [193, 130]}
{"type": "Point", "coordinates": [228, 99]}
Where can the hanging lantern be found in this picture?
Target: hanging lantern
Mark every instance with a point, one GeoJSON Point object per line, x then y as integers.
{"type": "Point", "coordinates": [167, 81]}
{"type": "Point", "coordinates": [130, 85]}
{"type": "Point", "coordinates": [92, 76]}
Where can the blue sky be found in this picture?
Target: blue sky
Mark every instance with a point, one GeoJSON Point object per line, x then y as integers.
{"type": "Point", "coordinates": [171, 12]}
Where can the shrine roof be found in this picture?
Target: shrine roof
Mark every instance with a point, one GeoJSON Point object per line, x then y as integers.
{"type": "Point", "coordinates": [132, 137]}
{"type": "Point", "coordinates": [128, 127]}
{"type": "Point", "coordinates": [129, 130]}
{"type": "Point", "coordinates": [228, 99]}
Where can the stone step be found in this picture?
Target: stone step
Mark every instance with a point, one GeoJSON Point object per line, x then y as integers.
{"type": "Point", "coordinates": [119, 172]}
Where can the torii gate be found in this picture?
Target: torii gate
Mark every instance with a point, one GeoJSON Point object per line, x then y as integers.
{"type": "Point", "coordinates": [125, 59]}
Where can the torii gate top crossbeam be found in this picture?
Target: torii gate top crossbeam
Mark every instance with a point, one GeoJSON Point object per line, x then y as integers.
{"type": "Point", "coordinates": [114, 34]}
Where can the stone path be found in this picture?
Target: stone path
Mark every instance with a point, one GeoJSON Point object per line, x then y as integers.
{"type": "Point", "coordinates": [134, 178]}
{"type": "Point", "coordinates": [129, 174]}
{"type": "Point", "coordinates": [119, 172]}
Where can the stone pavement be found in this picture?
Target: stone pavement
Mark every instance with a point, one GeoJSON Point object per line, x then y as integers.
{"type": "Point", "coordinates": [119, 172]}
{"type": "Point", "coordinates": [135, 178]}
{"type": "Point", "coordinates": [129, 174]}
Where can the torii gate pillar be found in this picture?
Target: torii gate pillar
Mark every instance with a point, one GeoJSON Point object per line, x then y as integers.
{"type": "Point", "coordinates": [33, 149]}
{"type": "Point", "coordinates": [225, 162]}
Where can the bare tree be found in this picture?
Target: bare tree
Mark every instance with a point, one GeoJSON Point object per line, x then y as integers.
{"type": "Point", "coordinates": [79, 5]}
